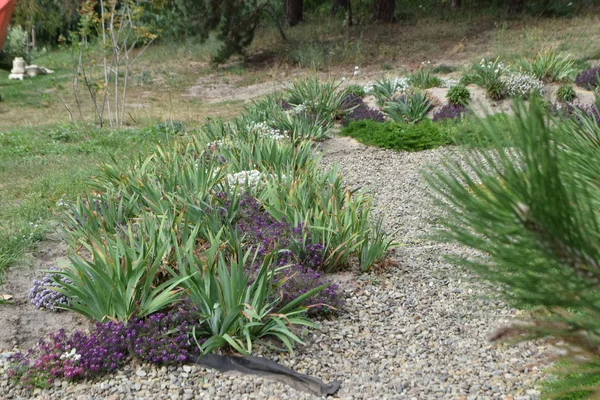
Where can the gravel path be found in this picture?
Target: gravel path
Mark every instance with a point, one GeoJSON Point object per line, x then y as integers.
{"type": "Point", "coordinates": [417, 331]}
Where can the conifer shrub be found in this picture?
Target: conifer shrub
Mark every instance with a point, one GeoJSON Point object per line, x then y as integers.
{"type": "Point", "coordinates": [529, 210]}
{"type": "Point", "coordinates": [389, 135]}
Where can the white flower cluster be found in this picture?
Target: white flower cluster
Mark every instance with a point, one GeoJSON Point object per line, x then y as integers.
{"type": "Point", "coordinates": [519, 84]}
{"type": "Point", "coordinates": [63, 202]}
{"type": "Point", "coordinates": [254, 179]}
{"type": "Point", "coordinates": [449, 82]}
{"type": "Point", "coordinates": [217, 144]}
{"type": "Point", "coordinates": [262, 129]}
{"type": "Point", "coordinates": [498, 67]}
{"type": "Point", "coordinates": [71, 355]}
{"type": "Point", "coordinates": [299, 109]}
{"type": "Point", "coordinates": [400, 84]}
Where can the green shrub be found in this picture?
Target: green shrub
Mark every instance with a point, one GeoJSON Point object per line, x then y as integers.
{"type": "Point", "coordinates": [443, 69]}
{"type": "Point", "coordinates": [356, 90]}
{"type": "Point", "coordinates": [566, 94]}
{"type": "Point", "coordinates": [410, 137]}
{"type": "Point", "coordinates": [458, 95]}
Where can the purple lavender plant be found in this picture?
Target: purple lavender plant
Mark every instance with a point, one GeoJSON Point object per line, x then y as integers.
{"type": "Point", "coordinates": [449, 111]}
{"type": "Point", "coordinates": [42, 294]}
{"type": "Point", "coordinates": [589, 79]}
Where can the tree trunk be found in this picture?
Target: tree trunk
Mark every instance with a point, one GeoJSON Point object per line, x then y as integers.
{"type": "Point", "coordinates": [342, 4]}
{"type": "Point", "coordinates": [292, 10]}
{"type": "Point", "coordinates": [515, 6]}
{"type": "Point", "coordinates": [455, 4]}
{"type": "Point", "coordinates": [339, 4]}
{"type": "Point", "coordinates": [384, 10]}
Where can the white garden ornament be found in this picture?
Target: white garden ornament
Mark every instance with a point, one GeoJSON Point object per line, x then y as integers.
{"type": "Point", "coordinates": [21, 70]}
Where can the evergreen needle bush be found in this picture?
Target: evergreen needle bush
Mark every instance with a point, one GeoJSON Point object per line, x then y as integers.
{"type": "Point", "coordinates": [530, 209]}
{"type": "Point", "coordinates": [426, 135]}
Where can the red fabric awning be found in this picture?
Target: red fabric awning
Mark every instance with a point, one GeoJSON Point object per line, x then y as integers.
{"type": "Point", "coordinates": [6, 10]}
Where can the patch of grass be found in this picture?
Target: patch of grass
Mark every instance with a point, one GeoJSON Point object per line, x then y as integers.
{"type": "Point", "coordinates": [43, 166]}
{"type": "Point", "coordinates": [443, 69]}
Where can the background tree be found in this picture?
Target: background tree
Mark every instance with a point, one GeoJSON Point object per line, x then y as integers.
{"type": "Point", "coordinates": [455, 4]}
{"type": "Point", "coordinates": [293, 10]}
{"type": "Point", "coordinates": [516, 6]}
{"type": "Point", "coordinates": [384, 11]}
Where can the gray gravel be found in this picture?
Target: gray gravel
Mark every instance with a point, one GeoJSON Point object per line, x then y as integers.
{"type": "Point", "coordinates": [416, 331]}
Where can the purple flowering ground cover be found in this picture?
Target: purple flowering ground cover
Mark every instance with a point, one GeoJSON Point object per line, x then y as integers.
{"type": "Point", "coordinates": [589, 79]}
{"type": "Point", "coordinates": [162, 338]}
{"type": "Point", "coordinates": [449, 111]}
{"type": "Point", "coordinates": [302, 257]}
{"type": "Point", "coordinates": [358, 110]}
{"type": "Point", "coordinates": [573, 111]}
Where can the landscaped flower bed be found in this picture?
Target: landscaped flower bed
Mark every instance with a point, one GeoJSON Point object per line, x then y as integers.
{"type": "Point", "coordinates": [240, 225]}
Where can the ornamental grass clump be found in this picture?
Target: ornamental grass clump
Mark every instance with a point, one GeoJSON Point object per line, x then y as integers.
{"type": "Point", "coordinates": [385, 89]}
{"type": "Point", "coordinates": [411, 107]}
{"type": "Point", "coordinates": [422, 78]}
{"type": "Point", "coordinates": [530, 211]}
{"type": "Point", "coordinates": [550, 66]}
{"type": "Point", "coordinates": [316, 98]}
{"type": "Point", "coordinates": [487, 75]}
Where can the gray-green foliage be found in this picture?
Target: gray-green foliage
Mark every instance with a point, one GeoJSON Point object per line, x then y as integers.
{"type": "Point", "coordinates": [410, 107]}
{"type": "Point", "coordinates": [531, 211]}
{"type": "Point", "coordinates": [315, 98]}
{"type": "Point", "coordinates": [424, 79]}
{"type": "Point", "coordinates": [548, 65]}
